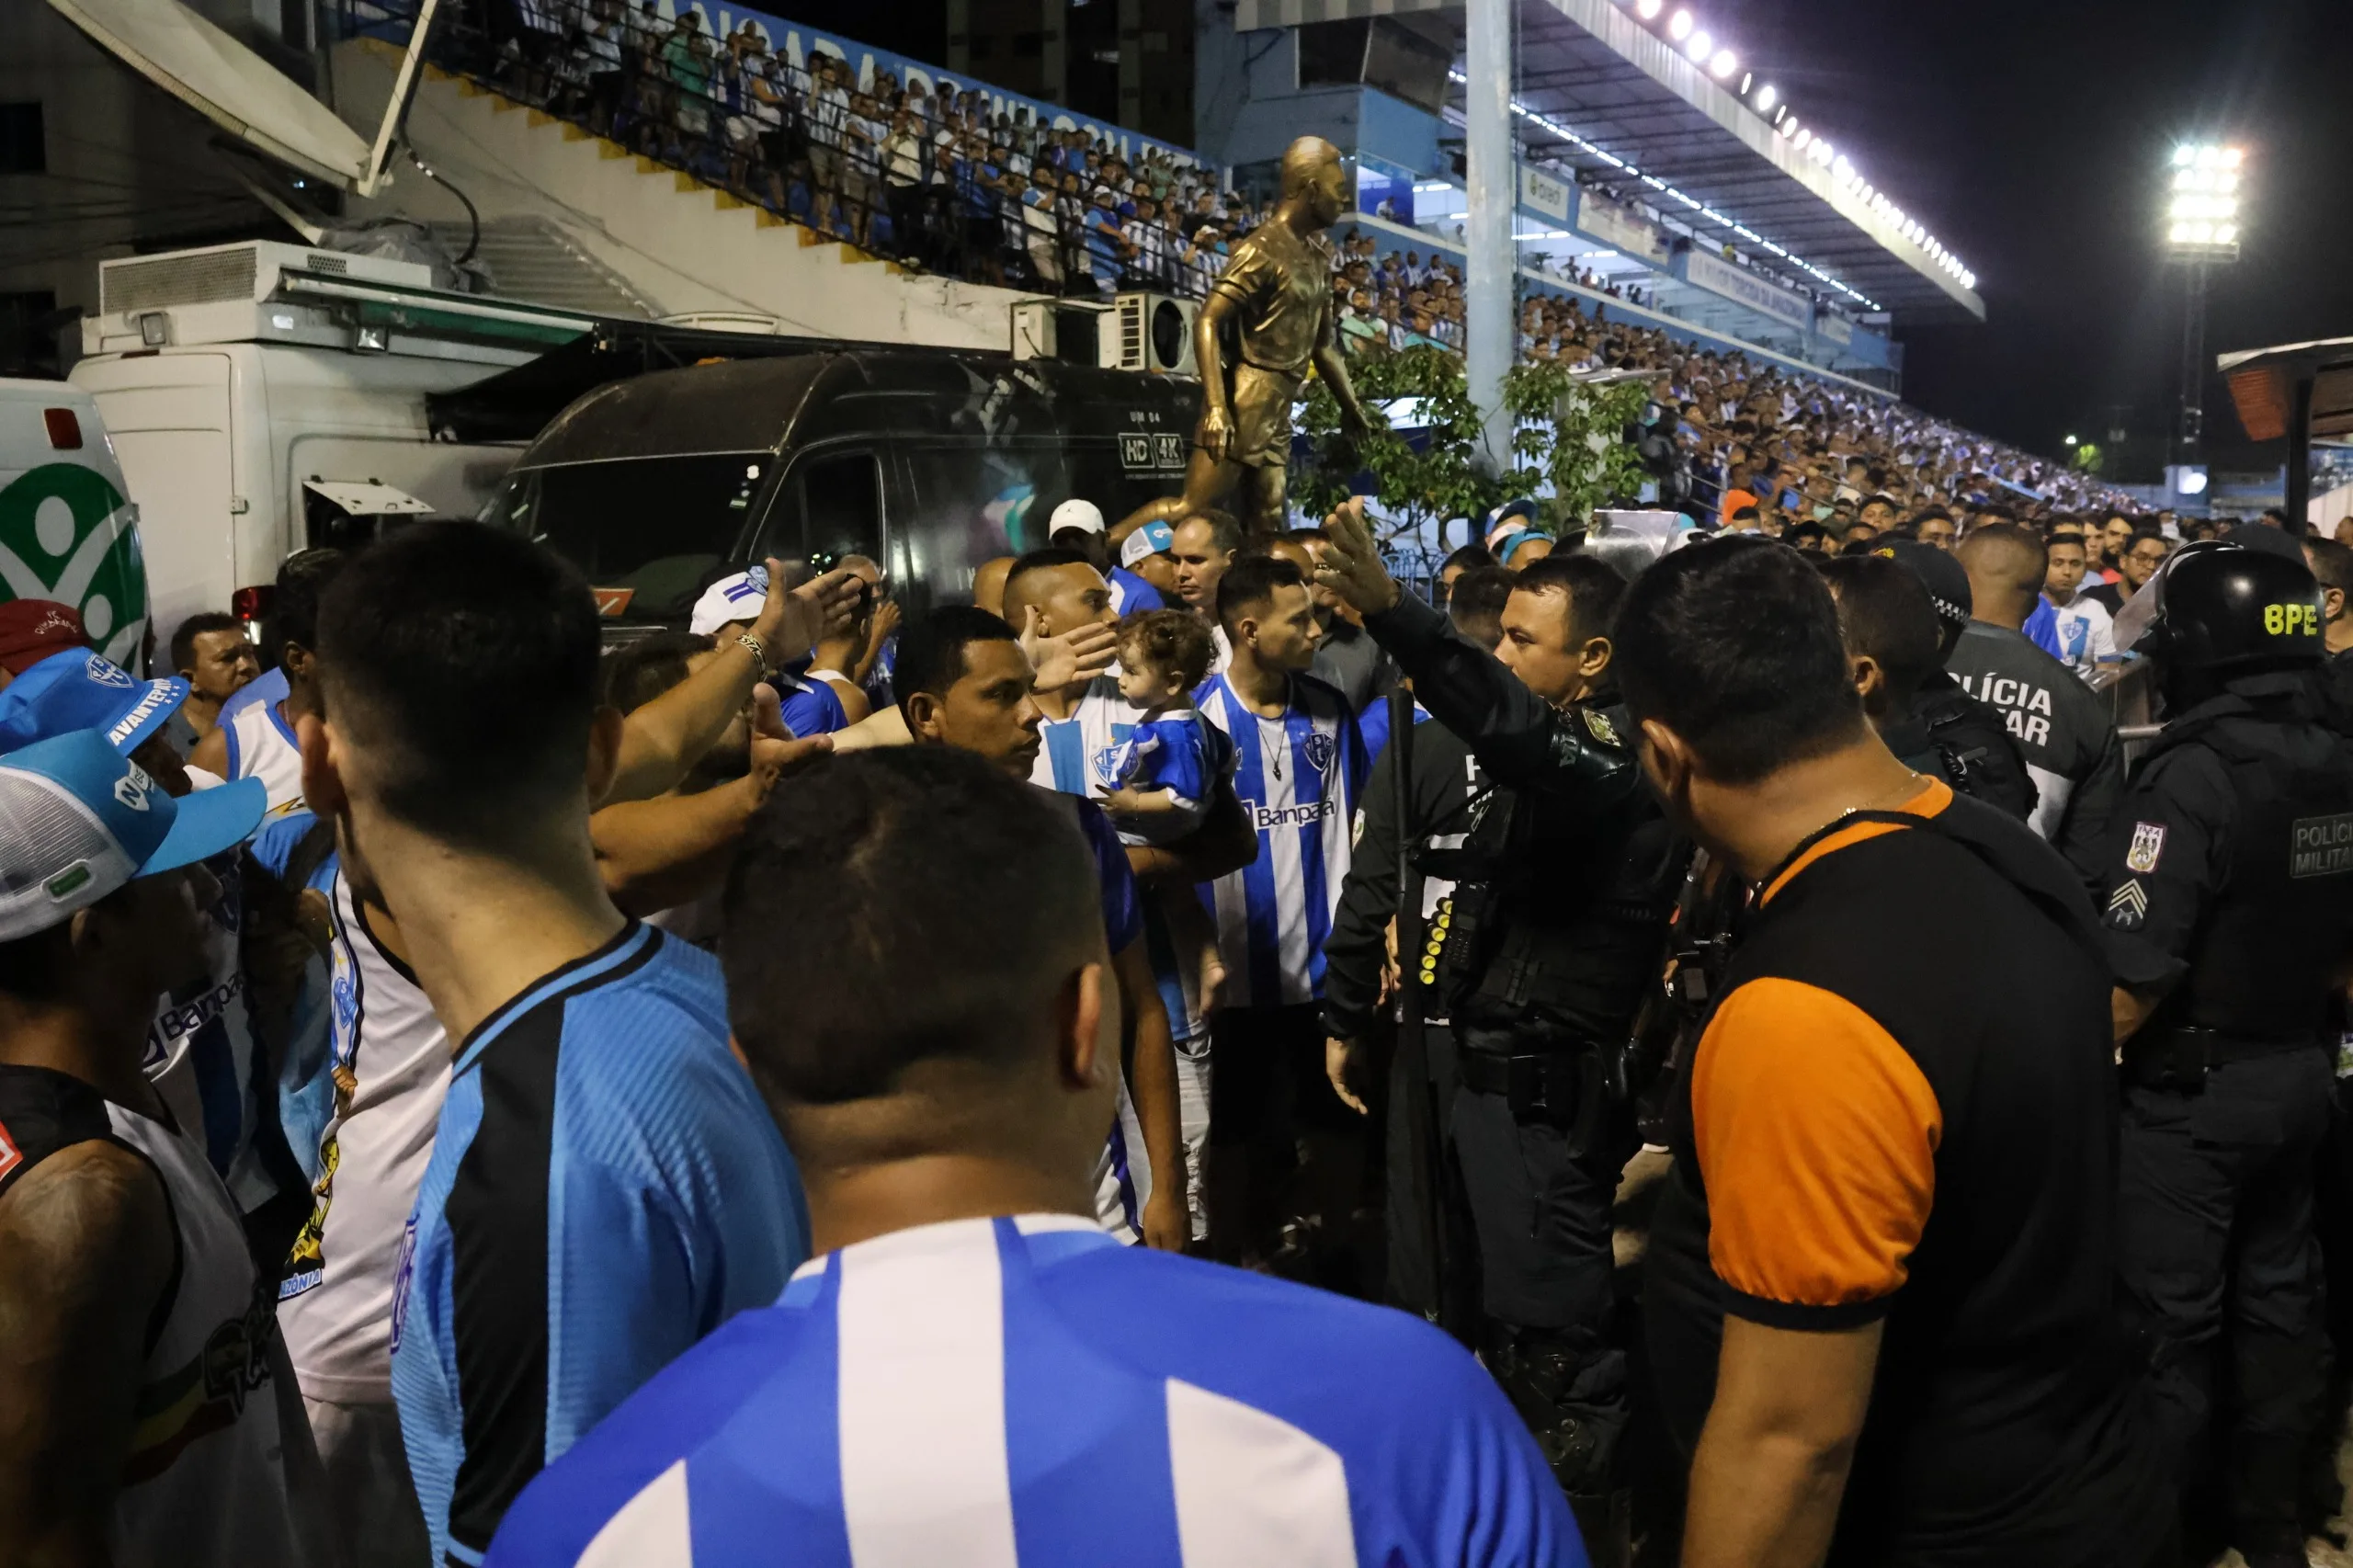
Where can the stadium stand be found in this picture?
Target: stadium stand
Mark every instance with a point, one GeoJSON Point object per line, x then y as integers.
{"type": "Point", "coordinates": [961, 185]}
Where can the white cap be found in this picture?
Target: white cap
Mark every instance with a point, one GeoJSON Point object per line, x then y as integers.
{"type": "Point", "coordinates": [1084, 515]}
{"type": "Point", "coordinates": [737, 596]}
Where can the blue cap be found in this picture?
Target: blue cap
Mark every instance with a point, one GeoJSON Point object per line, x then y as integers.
{"type": "Point", "coordinates": [79, 820]}
{"type": "Point", "coordinates": [80, 691]}
{"type": "Point", "coordinates": [1155, 538]}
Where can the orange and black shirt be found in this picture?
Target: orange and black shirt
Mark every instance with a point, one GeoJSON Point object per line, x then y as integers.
{"type": "Point", "coordinates": [1903, 1107]}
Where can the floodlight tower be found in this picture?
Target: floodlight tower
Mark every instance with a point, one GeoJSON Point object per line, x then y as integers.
{"type": "Point", "coordinates": [2201, 231]}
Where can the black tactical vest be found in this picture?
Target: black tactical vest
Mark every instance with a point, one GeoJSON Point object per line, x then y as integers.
{"type": "Point", "coordinates": [2282, 920]}
{"type": "Point", "coordinates": [1559, 920]}
{"type": "Point", "coordinates": [1970, 749]}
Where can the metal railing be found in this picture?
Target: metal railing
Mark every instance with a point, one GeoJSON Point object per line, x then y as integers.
{"type": "Point", "coordinates": [899, 176]}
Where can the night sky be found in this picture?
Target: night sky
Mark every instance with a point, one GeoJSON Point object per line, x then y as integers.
{"type": "Point", "coordinates": [2031, 137]}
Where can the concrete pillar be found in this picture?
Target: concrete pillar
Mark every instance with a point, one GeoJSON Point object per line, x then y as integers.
{"type": "Point", "coordinates": [959, 37]}
{"type": "Point", "coordinates": [1132, 63]}
{"type": "Point", "coordinates": [1492, 176]}
{"type": "Point", "coordinates": [1054, 67]}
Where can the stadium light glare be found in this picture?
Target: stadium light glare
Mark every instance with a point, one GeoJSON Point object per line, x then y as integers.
{"type": "Point", "coordinates": [1746, 82]}
{"type": "Point", "coordinates": [1679, 26]}
{"type": "Point", "coordinates": [1649, 9]}
{"type": "Point", "coordinates": [2070, 440]}
{"type": "Point", "coordinates": [2226, 233]}
{"type": "Point", "coordinates": [1723, 64]}
{"type": "Point", "coordinates": [1698, 46]}
{"type": "Point", "coordinates": [1553, 128]}
{"type": "Point", "coordinates": [1766, 98]}
{"type": "Point", "coordinates": [2184, 156]}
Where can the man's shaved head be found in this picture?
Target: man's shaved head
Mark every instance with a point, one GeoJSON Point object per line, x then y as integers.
{"type": "Point", "coordinates": [988, 584]}
{"type": "Point", "coordinates": [2007, 554]}
{"type": "Point", "coordinates": [2006, 565]}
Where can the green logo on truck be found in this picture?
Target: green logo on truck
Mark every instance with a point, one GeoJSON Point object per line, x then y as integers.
{"type": "Point", "coordinates": [66, 535]}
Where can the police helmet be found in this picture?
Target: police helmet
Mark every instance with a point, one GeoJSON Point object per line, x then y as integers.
{"type": "Point", "coordinates": [2222, 608]}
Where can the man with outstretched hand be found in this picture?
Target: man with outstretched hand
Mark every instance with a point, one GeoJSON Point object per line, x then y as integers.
{"type": "Point", "coordinates": [1552, 937]}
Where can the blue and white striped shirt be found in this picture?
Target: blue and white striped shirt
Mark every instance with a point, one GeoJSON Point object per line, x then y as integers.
{"type": "Point", "coordinates": [951, 1394]}
{"type": "Point", "coordinates": [1297, 778]}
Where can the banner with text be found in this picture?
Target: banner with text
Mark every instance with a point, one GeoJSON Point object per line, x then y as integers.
{"type": "Point", "coordinates": [1743, 287]}
{"type": "Point", "coordinates": [1834, 327]}
{"type": "Point", "coordinates": [1544, 195]}
{"type": "Point", "coordinates": [1619, 227]}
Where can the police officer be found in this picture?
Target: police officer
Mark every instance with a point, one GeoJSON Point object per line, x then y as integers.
{"type": "Point", "coordinates": [1552, 937]}
{"type": "Point", "coordinates": [2228, 888]}
{"type": "Point", "coordinates": [1968, 741]}
{"type": "Point", "coordinates": [1898, 644]}
{"type": "Point", "coordinates": [1422, 1193]}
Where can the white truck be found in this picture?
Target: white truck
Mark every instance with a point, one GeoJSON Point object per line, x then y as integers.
{"type": "Point", "coordinates": [263, 398]}
{"type": "Point", "coordinates": [67, 531]}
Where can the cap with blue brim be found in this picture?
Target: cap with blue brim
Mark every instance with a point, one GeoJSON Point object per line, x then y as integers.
{"type": "Point", "coordinates": [80, 691]}
{"type": "Point", "coordinates": [78, 821]}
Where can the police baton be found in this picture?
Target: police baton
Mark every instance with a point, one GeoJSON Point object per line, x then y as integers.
{"type": "Point", "coordinates": [1425, 1139]}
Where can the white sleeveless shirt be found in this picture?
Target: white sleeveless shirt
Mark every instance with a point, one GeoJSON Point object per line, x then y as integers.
{"type": "Point", "coordinates": [221, 1468]}
{"type": "Point", "coordinates": [391, 1063]}
{"type": "Point", "coordinates": [262, 746]}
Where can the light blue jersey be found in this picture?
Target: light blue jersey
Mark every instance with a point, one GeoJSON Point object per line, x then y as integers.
{"type": "Point", "coordinates": [1297, 778]}
{"type": "Point", "coordinates": [1177, 754]}
{"type": "Point", "coordinates": [606, 1188]}
{"type": "Point", "coordinates": [948, 1395]}
{"type": "Point", "coordinates": [1081, 756]}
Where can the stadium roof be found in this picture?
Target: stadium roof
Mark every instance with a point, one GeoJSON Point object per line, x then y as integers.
{"type": "Point", "coordinates": [1601, 92]}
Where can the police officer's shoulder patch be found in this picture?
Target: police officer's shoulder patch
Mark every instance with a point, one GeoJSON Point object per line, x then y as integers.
{"type": "Point", "coordinates": [2128, 906]}
{"type": "Point", "coordinates": [2148, 845]}
{"type": "Point", "coordinates": [1597, 725]}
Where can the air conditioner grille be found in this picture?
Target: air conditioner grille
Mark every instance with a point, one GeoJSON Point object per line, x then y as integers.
{"type": "Point", "coordinates": [1132, 325]}
{"type": "Point", "coordinates": [167, 280]}
{"type": "Point", "coordinates": [334, 265]}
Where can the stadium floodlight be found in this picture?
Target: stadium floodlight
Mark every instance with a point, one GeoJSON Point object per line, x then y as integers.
{"type": "Point", "coordinates": [1723, 64]}
{"type": "Point", "coordinates": [2201, 231]}
{"type": "Point", "coordinates": [1766, 98]}
{"type": "Point", "coordinates": [1679, 26]}
{"type": "Point", "coordinates": [1649, 9]}
{"type": "Point", "coordinates": [1697, 46]}
{"type": "Point", "coordinates": [2202, 204]}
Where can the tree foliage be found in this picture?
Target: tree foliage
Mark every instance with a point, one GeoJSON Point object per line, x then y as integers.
{"type": "Point", "coordinates": [1567, 443]}
{"type": "Point", "coordinates": [1568, 437]}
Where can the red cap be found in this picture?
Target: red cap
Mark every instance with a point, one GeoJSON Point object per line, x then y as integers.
{"type": "Point", "coordinates": [31, 630]}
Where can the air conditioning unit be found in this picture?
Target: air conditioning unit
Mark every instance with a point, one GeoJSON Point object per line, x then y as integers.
{"type": "Point", "coordinates": [1154, 332]}
{"type": "Point", "coordinates": [255, 292]}
{"type": "Point", "coordinates": [1147, 333]}
{"type": "Point", "coordinates": [1071, 331]}
{"type": "Point", "coordinates": [248, 274]}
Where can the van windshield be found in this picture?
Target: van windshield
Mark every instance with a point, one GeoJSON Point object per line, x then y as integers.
{"type": "Point", "coordinates": [656, 528]}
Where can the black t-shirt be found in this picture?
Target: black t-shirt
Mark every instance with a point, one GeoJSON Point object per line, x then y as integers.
{"type": "Point", "coordinates": [1904, 1109]}
{"type": "Point", "coordinates": [2109, 597]}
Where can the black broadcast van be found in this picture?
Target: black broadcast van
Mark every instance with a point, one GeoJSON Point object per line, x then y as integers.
{"type": "Point", "coordinates": [928, 461]}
